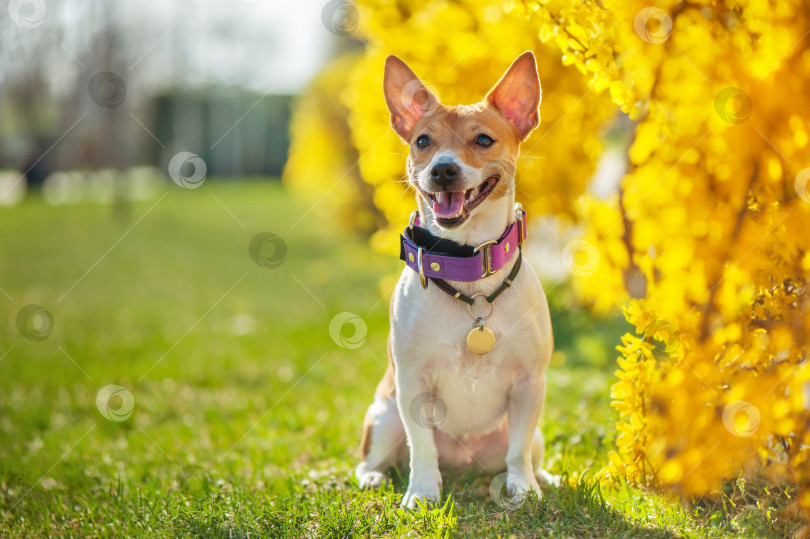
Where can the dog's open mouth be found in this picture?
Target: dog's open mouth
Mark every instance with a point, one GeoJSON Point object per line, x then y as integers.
{"type": "Point", "coordinates": [451, 207]}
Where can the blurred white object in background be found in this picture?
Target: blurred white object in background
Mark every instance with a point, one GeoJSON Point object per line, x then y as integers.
{"type": "Point", "coordinates": [63, 188]}
{"type": "Point", "coordinates": [100, 185]}
{"type": "Point", "coordinates": [547, 239]}
{"type": "Point", "coordinates": [103, 186]}
{"type": "Point", "coordinates": [13, 187]}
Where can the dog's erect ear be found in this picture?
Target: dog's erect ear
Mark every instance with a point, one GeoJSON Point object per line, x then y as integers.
{"type": "Point", "coordinates": [517, 95]}
{"type": "Point", "coordinates": [407, 97]}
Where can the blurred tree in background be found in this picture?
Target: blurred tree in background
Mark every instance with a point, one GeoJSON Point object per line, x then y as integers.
{"type": "Point", "coordinates": [90, 85]}
{"type": "Point", "coordinates": [704, 245]}
{"type": "Point", "coordinates": [320, 122]}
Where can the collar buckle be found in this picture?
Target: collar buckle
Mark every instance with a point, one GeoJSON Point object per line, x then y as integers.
{"type": "Point", "coordinates": [422, 278]}
{"type": "Point", "coordinates": [487, 262]}
{"type": "Point", "coordinates": [413, 219]}
{"type": "Point", "coordinates": [519, 213]}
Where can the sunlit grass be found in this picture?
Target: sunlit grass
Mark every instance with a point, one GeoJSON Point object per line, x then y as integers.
{"type": "Point", "coordinates": [247, 415]}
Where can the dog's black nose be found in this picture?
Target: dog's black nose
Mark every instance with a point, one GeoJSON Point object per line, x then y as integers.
{"type": "Point", "coordinates": [444, 173]}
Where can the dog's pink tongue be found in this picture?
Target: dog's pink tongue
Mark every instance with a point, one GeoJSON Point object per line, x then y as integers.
{"type": "Point", "coordinates": [448, 204]}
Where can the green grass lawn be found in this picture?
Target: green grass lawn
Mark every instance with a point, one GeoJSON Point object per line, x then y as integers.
{"type": "Point", "coordinates": [247, 415]}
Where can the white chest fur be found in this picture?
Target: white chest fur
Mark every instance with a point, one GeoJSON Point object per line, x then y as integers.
{"type": "Point", "coordinates": [429, 332]}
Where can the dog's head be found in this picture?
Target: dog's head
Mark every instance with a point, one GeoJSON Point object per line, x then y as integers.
{"type": "Point", "coordinates": [461, 157]}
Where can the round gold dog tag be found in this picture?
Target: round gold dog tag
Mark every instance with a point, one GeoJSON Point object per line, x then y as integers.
{"type": "Point", "coordinates": [480, 340]}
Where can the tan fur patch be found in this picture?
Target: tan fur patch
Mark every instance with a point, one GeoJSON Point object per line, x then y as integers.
{"type": "Point", "coordinates": [387, 387]}
{"type": "Point", "coordinates": [365, 441]}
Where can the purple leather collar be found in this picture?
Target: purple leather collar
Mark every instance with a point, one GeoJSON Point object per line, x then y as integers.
{"type": "Point", "coordinates": [430, 256]}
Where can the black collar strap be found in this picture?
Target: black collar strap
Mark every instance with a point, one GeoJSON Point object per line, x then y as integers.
{"type": "Point", "coordinates": [433, 244]}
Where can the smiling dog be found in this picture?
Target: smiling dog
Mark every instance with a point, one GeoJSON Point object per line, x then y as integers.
{"type": "Point", "coordinates": [470, 332]}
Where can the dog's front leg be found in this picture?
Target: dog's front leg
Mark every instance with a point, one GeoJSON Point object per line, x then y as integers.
{"type": "Point", "coordinates": [416, 403]}
{"type": "Point", "coordinates": [525, 406]}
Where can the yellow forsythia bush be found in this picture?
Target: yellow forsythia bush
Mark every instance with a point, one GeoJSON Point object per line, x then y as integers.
{"type": "Point", "coordinates": [706, 247]}
{"type": "Point", "coordinates": [714, 215]}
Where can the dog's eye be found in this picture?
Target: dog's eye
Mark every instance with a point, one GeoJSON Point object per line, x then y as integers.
{"type": "Point", "coordinates": [485, 141]}
{"type": "Point", "coordinates": [423, 142]}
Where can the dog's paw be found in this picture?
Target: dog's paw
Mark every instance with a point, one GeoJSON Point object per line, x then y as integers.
{"type": "Point", "coordinates": [372, 479]}
{"type": "Point", "coordinates": [509, 490]}
{"type": "Point", "coordinates": [412, 500]}
{"type": "Point", "coordinates": [547, 479]}
{"type": "Point", "coordinates": [426, 491]}
{"type": "Point", "coordinates": [519, 486]}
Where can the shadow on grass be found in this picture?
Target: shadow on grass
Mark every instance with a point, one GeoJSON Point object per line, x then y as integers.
{"type": "Point", "coordinates": [567, 510]}
{"type": "Point", "coordinates": [341, 509]}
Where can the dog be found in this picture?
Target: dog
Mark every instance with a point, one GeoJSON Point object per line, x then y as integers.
{"type": "Point", "coordinates": [465, 384]}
